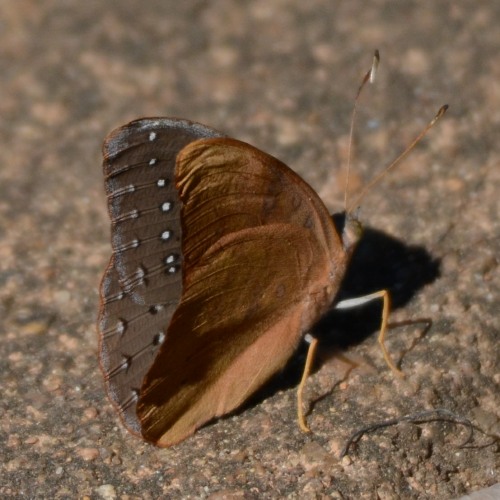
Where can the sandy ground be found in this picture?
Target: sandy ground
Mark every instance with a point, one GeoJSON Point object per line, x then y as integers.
{"type": "Point", "coordinates": [281, 75]}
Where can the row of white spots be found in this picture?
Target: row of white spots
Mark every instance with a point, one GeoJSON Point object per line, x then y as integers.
{"type": "Point", "coordinates": [138, 278]}
{"type": "Point", "coordinates": [140, 273]}
{"type": "Point", "coordinates": [165, 207]}
{"type": "Point", "coordinates": [133, 214]}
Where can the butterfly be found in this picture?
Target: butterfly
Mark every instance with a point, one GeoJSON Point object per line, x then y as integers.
{"type": "Point", "coordinates": [223, 258]}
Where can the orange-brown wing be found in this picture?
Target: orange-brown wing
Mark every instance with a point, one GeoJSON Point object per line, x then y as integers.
{"type": "Point", "coordinates": [262, 260]}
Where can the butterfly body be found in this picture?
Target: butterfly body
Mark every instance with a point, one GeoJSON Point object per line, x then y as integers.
{"type": "Point", "coordinates": [223, 258]}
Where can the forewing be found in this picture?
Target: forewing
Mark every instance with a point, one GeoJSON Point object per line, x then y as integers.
{"type": "Point", "coordinates": [142, 285]}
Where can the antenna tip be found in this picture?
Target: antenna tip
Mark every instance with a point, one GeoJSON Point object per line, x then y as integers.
{"type": "Point", "coordinates": [440, 113]}
{"type": "Point", "coordinates": [374, 68]}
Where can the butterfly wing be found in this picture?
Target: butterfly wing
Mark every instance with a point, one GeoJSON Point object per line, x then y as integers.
{"type": "Point", "coordinates": [262, 260]}
{"type": "Point", "coordinates": [142, 284]}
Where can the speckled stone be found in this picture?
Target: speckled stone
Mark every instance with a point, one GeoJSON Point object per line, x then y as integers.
{"type": "Point", "coordinates": [281, 75]}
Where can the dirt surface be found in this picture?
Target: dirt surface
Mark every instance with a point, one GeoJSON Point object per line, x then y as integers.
{"type": "Point", "coordinates": [281, 75]}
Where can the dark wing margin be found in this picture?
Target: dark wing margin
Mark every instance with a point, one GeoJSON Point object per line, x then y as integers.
{"type": "Point", "coordinates": [142, 285]}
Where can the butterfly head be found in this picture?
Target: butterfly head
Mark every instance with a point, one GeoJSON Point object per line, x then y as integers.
{"type": "Point", "coordinates": [352, 232]}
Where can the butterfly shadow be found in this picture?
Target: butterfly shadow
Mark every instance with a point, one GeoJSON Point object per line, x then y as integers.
{"type": "Point", "coordinates": [380, 262]}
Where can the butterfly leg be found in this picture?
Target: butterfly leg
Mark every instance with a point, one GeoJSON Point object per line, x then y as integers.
{"type": "Point", "coordinates": [313, 344]}
{"type": "Point", "coordinates": [384, 296]}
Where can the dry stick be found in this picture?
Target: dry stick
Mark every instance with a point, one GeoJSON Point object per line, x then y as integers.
{"type": "Point", "coordinates": [439, 414]}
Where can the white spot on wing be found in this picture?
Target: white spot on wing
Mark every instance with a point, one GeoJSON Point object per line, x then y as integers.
{"type": "Point", "coordinates": [159, 338]}
{"type": "Point", "coordinates": [120, 327]}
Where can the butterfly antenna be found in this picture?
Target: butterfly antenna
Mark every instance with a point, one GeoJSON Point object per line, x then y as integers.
{"type": "Point", "coordinates": [377, 178]}
{"type": "Point", "coordinates": [369, 77]}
